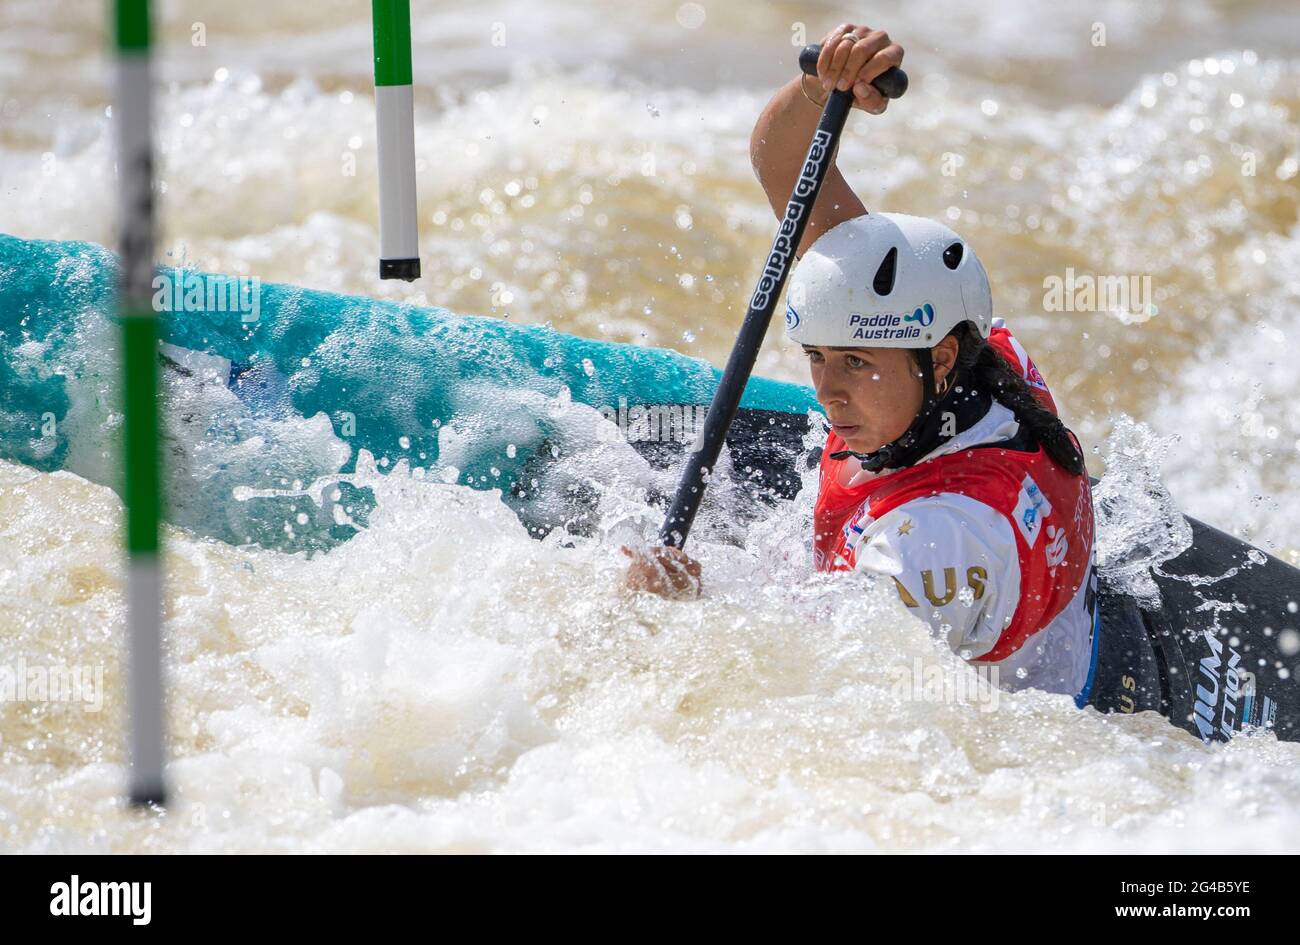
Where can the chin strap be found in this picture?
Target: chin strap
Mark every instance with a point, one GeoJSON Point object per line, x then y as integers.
{"type": "Point", "coordinates": [911, 446]}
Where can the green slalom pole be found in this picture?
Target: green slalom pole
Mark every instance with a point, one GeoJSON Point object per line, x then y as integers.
{"type": "Point", "coordinates": [132, 110]}
{"type": "Point", "coordinates": [399, 240]}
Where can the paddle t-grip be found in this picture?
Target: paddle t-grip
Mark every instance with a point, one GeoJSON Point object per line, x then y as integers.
{"type": "Point", "coordinates": [891, 83]}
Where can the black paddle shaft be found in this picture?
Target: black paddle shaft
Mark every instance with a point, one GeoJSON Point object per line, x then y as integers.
{"type": "Point", "coordinates": [726, 401]}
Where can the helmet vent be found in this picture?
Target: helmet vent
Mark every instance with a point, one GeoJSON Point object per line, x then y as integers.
{"type": "Point", "coordinates": [952, 255]}
{"type": "Point", "coordinates": [883, 284]}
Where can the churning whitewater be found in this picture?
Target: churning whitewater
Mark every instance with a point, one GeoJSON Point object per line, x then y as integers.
{"type": "Point", "coordinates": [442, 681]}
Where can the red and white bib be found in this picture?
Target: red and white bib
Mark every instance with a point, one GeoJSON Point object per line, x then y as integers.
{"type": "Point", "coordinates": [988, 539]}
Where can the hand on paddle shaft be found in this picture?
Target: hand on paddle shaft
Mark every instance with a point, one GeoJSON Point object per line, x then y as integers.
{"type": "Point", "coordinates": [859, 68]}
{"type": "Point", "coordinates": [663, 570]}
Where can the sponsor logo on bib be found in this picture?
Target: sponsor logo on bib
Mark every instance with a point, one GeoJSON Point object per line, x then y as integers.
{"type": "Point", "coordinates": [1031, 508]}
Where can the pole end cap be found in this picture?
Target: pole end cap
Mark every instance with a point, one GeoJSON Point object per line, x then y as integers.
{"type": "Point", "coordinates": [405, 269]}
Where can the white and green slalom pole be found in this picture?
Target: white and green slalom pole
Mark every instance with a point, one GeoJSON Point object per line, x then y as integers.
{"type": "Point", "coordinates": [399, 242]}
{"type": "Point", "coordinates": [141, 483]}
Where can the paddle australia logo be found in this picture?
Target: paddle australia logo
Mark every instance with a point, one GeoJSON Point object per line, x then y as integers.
{"type": "Point", "coordinates": [1031, 508]}
{"type": "Point", "coordinates": [923, 316]}
{"type": "Point", "coordinates": [891, 326]}
{"type": "Point", "coordinates": [77, 898]}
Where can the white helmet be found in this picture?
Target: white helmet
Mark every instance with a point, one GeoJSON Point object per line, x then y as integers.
{"type": "Point", "coordinates": [886, 280]}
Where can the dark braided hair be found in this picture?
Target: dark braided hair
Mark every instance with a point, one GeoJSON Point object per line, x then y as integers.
{"type": "Point", "coordinates": [980, 365]}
